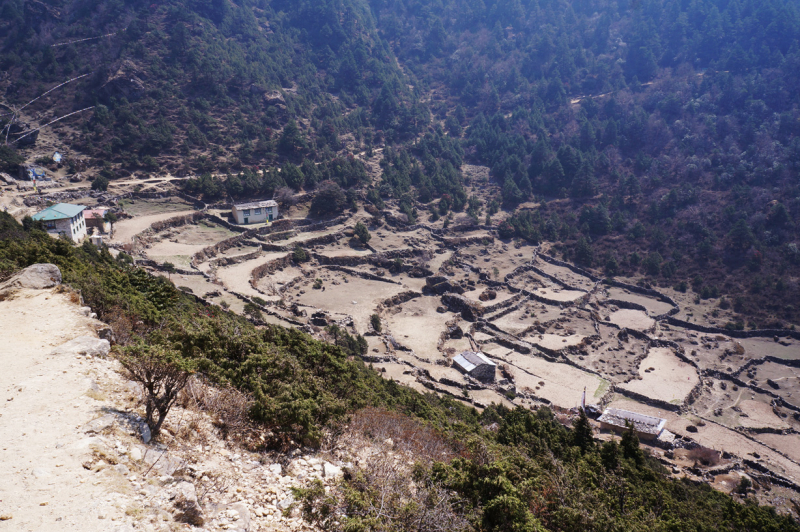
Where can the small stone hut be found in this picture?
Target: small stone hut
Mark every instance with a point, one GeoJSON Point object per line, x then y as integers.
{"type": "Point", "coordinates": [646, 427]}
{"type": "Point", "coordinates": [476, 365]}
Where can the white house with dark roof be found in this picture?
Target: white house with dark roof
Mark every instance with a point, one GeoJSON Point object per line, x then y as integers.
{"type": "Point", "coordinates": [254, 212]}
{"type": "Point", "coordinates": [64, 219]}
{"type": "Point", "coordinates": [476, 365]}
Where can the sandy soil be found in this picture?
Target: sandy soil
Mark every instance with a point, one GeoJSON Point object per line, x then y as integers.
{"type": "Point", "coordinates": [559, 294]}
{"type": "Point", "coordinates": [788, 444]}
{"type": "Point", "coordinates": [237, 276]}
{"type": "Point", "coordinates": [761, 347]}
{"type": "Point", "coordinates": [555, 342]}
{"type": "Point", "coordinates": [357, 297]}
{"type": "Point", "coordinates": [654, 307]}
{"type": "Point", "coordinates": [670, 378]}
{"type": "Point", "coordinates": [146, 207]}
{"type": "Point", "coordinates": [632, 319]}
{"type": "Point", "coordinates": [566, 275]}
{"type": "Point", "coordinates": [563, 384]}
{"type": "Point", "coordinates": [125, 230]}
{"type": "Point", "coordinates": [759, 414]}
{"type": "Point", "coordinates": [418, 325]}
{"type": "Point", "coordinates": [42, 421]}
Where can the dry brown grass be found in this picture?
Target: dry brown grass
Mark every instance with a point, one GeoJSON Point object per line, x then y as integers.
{"type": "Point", "coordinates": [704, 456]}
{"type": "Point", "coordinates": [407, 435]}
{"type": "Point", "coordinates": [228, 408]}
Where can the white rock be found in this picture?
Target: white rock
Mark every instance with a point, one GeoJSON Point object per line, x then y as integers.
{"type": "Point", "coordinates": [144, 430]}
{"type": "Point", "coordinates": [331, 471]}
{"type": "Point", "coordinates": [84, 345]}
{"type": "Point", "coordinates": [135, 454]}
{"type": "Point", "coordinates": [37, 276]}
{"type": "Point", "coordinates": [285, 503]}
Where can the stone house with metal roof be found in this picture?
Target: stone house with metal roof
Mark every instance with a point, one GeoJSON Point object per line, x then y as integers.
{"type": "Point", "coordinates": [254, 212]}
{"type": "Point", "coordinates": [64, 219]}
{"type": "Point", "coordinates": [617, 420]}
{"type": "Point", "coordinates": [476, 365]}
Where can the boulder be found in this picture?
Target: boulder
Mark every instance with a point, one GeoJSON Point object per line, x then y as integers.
{"type": "Point", "coordinates": [187, 508]}
{"type": "Point", "coordinates": [469, 310]}
{"type": "Point", "coordinates": [100, 424]}
{"type": "Point", "coordinates": [331, 471]}
{"type": "Point", "coordinates": [37, 277]}
{"type": "Point", "coordinates": [285, 503]}
{"type": "Point", "coordinates": [488, 295]}
{"type": "Point", "coordinates": [455, 332]}
{"type": "Point", "coordinates": [84, 345]}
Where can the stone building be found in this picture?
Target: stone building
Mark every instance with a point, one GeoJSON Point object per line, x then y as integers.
{"type": "Point", "coordinates": [476, 365]}
{"type": "Point", "coordinates": [95, 219]}
{"type": "Point", "coordinates": [646, 427]}
{"type": "Point", "coordinates": [255, 212]}
{"type": "Point", "coordinates": [64, 219]}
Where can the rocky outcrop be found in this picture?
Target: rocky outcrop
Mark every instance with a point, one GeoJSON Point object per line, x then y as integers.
{"type": "Point", "coordinates": [469, 310]}
{"type": "Point", "coordinates": [37, 277]}
{"type": "Point", "coordinates": [124, 80]}
{"type": "Point", "coordinates": [83, 345]}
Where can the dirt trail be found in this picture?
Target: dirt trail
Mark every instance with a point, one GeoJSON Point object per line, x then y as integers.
{"type": "Point", "coordinates": [43, 416]}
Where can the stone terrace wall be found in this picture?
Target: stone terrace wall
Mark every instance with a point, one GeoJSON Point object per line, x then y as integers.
{"type": "Point", "coordinates": [579, 271]}
{"type": "Point", "coordinates": [269, 268]}
{"type": "Point", "coordinates": [177, 221]}
{"type": "Point", "coordinates": [641, 290]}
{"type": "Point", "coordinates": [364, 275]}
{"type": "Point", "coordinates": [756, 333]}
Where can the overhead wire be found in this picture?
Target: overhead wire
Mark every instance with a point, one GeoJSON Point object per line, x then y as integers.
{"type": "Point", "coordinates": [51, 90]}
{"type": "Point", "coordinates": [83, 40]}
{"type": "Point", "coordinates": [52, 122]}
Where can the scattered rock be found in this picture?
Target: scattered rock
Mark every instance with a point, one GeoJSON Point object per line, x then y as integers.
{"type": "Point", "coordinates": [84, 345]}
{"type": "Point", "coordinates": [135, 454]}
{"type": "Point", "coordinates": [331, 471]}
{"type": "Point", "coordinates": [144, 430]}
{"type": "Point", "coordinates": [285, 503]}
{"type": "Point", "coordinates": [187, 507]}
{"type": "Point", "coordinates": [99, 424]}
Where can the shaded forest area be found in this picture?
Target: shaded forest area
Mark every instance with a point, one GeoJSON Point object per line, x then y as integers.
{"type": "Point", "coordinates": [660, 139]}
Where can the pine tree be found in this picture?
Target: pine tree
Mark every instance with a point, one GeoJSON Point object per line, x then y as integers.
{"type": "Point", "coordinates": [582, 434]}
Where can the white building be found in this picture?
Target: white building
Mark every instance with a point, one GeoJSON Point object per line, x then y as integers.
{"type": "Point", "coordinates": [255, 212]}
{"type": "Point", "coordinates": [476, 365]}
{"type": "Point", "coordinates": [617, 420]}
{"type": "Point", "coordinates": [64, 219]}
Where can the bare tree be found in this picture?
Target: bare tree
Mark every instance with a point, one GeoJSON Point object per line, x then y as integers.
{"type": "Point", "coordinates": [163, 373]}
{"type": "Point", "coordinates": [285, 197]}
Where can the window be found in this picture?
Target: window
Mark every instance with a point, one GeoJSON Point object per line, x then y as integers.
{"type": "Point", "coordinates": [256, 211]}
{"type": "Point", "coordinates": [246, 212]}
{"type": "Point", "coordinates": [269, 210]}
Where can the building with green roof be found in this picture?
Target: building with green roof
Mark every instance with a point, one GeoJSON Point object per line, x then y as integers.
{"type": "Point", "coordinates": [64, 219]}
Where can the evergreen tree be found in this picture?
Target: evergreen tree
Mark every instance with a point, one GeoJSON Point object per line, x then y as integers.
{"type": "Point", "coordinates": [582, 434]}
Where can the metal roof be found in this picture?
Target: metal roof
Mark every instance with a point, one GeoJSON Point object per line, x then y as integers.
{"type": "Point", "coordinates": [469, 360]}
{"type": "Point", "coordinates": [640, 422]}
{"type": "Point", "coordinates": [94, 213]}
{"type": "Point", "coordinates": [59, 211]}
{"type": "Point", "coordinates": [255, 204]}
